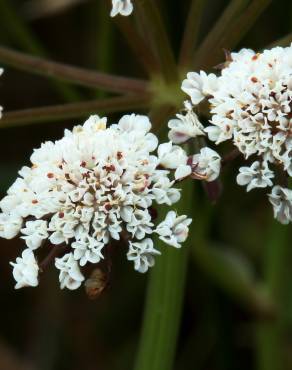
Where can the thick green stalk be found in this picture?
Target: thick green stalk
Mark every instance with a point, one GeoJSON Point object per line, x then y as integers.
{"type": "Point", "coordinates": [164, 300]}
{"type": "Point", "coordinates": [270, 335]}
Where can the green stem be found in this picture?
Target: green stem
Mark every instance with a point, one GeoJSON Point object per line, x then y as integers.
{"type": "Point", "coordinates": [155, 29]}
{"type": "Point", "coordinates": [270, 335]}
{"type": "Point", "coordinates": [73, 110]}
{"type": "Point", "coordinates": [164, 301]}
{"type": "Point", "coordinates": [72, 74]}
{"type": "Point", "coordinates": [191, 32]}
{"type": "Point", "coordinates": [21, 35]}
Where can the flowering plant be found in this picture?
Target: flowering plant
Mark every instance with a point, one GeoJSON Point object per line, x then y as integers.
{"type": "Point", "coordinates": [130, 185]}
{"type": "Point", "coordinates": [95, 185]}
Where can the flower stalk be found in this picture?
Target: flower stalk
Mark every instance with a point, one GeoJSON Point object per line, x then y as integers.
{"type": "Point", "coordinates": [155, 30]}
{"type": "Point", "coordinates": [73, 110]}
{"type": "Point", "coordinates": [164, 302]}
{"type": "Point", "coordinates": [219, 29]}
{"type": "Point", "coordinates": [270, 335]}
{"type": "Point", "coordinates": [137, 44]}
{"type": "Point", "coordinates": [25, 39]}
{"type": "Point", "coordinates": [190, 37]}
{"type": "Point", "coordinates": [76, 75]}
{"type": "Point", "coordinates": [231, 35]}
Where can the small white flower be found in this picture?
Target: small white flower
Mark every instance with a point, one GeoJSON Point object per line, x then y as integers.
{"type": "Point", "coordinates": [87, 249]}
{"type": "Point", "coordinates": [258, 175]}
{"type": "Point", "coordinates": [183, 171]}
{"type": "Point", "coordinates": [70, 276]}
{"type": "Point", "coordinates": [185, 127]}
{"type": "Point", "coordinates": [199, 85]}
{"type": "Point", "coordinates": [221, 130]}
{"type": "Point", "coordinates": [206, 165]}
{"type": "Point", "coordinates": [281, 199]}
{"type": "Point", "coordinates": [123, 7]}
{"type": "Point", "coordinates": [10, 225]}
{"type": "Point", "coordinates": [174, 230]}
{"type": "Point", "coordinates": [93, 123]}
{"type": "Point", "coordinates": [140, 224]}
{"type": "Point", "coordinates": [35, 232]}
{"type": "Point", "coordinates": [164, 193]}
{"type": "Point", "coordinates": [62, 226]}
{"type": "Point", "coordinates": [171, 156]}
{"type": "Point", "coordinates": [142, 253]}
{"type": "Point", "coordinates": [25, 270]}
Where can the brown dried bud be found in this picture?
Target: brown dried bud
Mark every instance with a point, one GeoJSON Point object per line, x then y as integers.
{"type": "Point", "coordinates": [96, 283]}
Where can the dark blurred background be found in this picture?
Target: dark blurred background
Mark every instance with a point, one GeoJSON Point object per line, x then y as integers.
{"type": "Point", "coordinates": [45, 328]}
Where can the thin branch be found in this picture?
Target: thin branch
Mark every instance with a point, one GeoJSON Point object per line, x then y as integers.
{"type": "Point", "coordinates": [11, 360]}
{"type": "Point", "coordinates": [221, 26]}
{"type": "Point", "coordinates": [55, 251]}
{"type": "Point", "coordinates": [21, 35]}
{"type": "Point", "coordinates": [283, 41]}
{"type": "Point", "coordinates": [73, 110]}
{"type": "Point", "coordinates": [241, 26]}
{"type": "Point", "coordinates": [72, 74]}
{"type": "Point", "coordinates": [155, 29]}
{"type": "Point", "coordinates": [213, 190]}
{"type": "Point", "coordinates": [138, 46]}
{"type": "Point", "coordinates": [233, 34]}
{"type": "Point", "coordinates": [229, 157]}
{"type": "Point", "coordinates": [191, 31]}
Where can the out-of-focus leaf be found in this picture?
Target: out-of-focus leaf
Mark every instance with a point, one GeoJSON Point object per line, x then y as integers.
{"type": "Point", "coordinates": [233, 273]}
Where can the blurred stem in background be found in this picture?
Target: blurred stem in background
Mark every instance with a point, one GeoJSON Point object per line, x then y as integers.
{"type": "Point", "coordinates": [154, 28]}
{"type": "Point", "coordinates": [229, 270]}
{"type": "Point", "coordinates": [270, 335]}
{"type": "Point", "coordinates": [232, 10]}
{"type": "Point", "coordinates": [164, 300]}
{"type": "Point", "coordinates": [104, 36]}
{"type": "Point", "coordinates": [72, 110]}
{"type": "Point", "coordinates": [191, 33]}
{"type": "Point", "coordinates": [22, 36]}
{"type": "Point", "coordinates": [231, 27]}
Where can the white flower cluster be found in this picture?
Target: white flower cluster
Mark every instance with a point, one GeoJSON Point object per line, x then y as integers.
{"type": "Point", "coordinates": [93, 186]}
{"type": "Point", "coordinates": [204, 165]}
{"type": "Point", "coordinates": [251, 105]}
{"type": "Point", "coordinates": [122, 7]}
